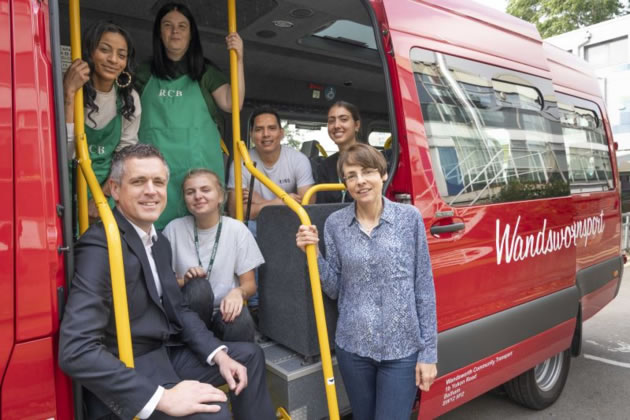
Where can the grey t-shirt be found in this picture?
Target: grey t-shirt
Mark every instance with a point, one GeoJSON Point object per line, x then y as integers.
{"type": "Point", "coordinates": [237, 252]}
{"type": "Point", "coordinates": [290, 172]}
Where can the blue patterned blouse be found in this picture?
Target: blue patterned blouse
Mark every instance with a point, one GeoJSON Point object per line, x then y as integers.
{"type": "Point", "coordinates": [383, 283]}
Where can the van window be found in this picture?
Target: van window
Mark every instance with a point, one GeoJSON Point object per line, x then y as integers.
{"type": "Point", "coordinates": [587, 150]}
{"type": "Point", "coordinates": [493, 134]}
{"type": "Point", "coordinates": [380, 139]}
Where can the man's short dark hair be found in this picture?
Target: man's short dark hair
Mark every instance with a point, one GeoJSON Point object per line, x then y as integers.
{"type": "Point", "coordinates": [263, 110]}
{"type": "Point", "coordinates": [138, 151]}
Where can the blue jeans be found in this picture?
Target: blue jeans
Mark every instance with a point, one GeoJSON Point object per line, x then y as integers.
{"type": "Point", "coordinates": [382, 390]}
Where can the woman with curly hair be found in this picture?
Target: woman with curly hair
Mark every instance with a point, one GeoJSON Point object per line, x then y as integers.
{"type": "Point", "coordinates": [112, 106]}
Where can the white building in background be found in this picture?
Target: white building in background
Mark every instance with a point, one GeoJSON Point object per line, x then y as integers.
{"type": "Point", "coordinates": [605, 46]}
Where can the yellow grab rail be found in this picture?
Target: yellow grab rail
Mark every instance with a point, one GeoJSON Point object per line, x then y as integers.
{"type": "Point", "coordinates": [313, 270]}
{"type": "Point", "coordinates": [320, 187]}
{"type": "Point", "coordinates": [236, 115]}
{"type": "Point", "coordinates": [224, 148]}
{"type": "Point", "coordinates": [321, 149]}
{"type": "Point", "coordinates": [240, 153]}
{"type": "Point", "coordinates": [119, 289]}
{"type": "Point", "coordinates": [79, 129]}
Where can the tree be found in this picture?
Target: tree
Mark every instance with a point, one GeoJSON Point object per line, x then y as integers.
{"type": "Point", "coordinates": [553, 17]}
{"type": "Point", "coordinates": [291, 137]}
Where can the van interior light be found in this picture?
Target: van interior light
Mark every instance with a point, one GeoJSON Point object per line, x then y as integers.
{"type": "Point", "coordinates": [283, 24]}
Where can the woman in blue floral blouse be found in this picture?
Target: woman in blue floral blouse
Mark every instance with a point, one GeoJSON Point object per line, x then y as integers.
{"type": "Point", "coordinates": [377, 266]}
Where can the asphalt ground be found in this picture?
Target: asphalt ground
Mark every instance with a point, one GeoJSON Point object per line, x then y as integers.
{"type": "Point", "coordinates": [598, 386]}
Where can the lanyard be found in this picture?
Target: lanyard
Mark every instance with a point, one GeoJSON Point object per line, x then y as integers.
{"type": "Point", "coordinates": [214, 247]}
{"type": "Point", "coordinates": [343, 193]}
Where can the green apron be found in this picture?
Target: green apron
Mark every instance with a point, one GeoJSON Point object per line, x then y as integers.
{"type": "Point", "coordinates": [175, 119]}
{"type": "Point", "coordinates": [101, 146]}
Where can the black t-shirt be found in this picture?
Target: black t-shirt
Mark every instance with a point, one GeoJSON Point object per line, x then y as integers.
{"type": "Point", "coordinates": [327, 174]}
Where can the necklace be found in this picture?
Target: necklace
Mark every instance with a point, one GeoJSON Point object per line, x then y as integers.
{"type": "Point", "coordinates": [214, 247]}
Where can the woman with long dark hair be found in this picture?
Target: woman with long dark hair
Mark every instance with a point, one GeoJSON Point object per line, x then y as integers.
{"type": "Point", "coordinates": [344, 123]}
{"type": "Point", "coordinates": [181, 93]}
{"type": "Point", "coordinates": [112, 106]}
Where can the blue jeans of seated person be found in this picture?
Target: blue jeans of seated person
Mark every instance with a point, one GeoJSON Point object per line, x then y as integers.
{"type": "Point", "coordinates": [384, 390]}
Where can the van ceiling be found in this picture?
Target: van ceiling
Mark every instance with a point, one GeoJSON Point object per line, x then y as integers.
{"type": "Point", "coordinates": [279, 62]}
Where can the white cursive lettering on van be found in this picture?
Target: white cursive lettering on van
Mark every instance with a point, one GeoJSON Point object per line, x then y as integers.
{"type": "Point", "coordinates": [510, 246]}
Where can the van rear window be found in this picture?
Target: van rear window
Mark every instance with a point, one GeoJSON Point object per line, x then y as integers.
{"type": "Point", "coordinates": [494, 134]}
{"type": "Point", "coordinates": [587, 150]}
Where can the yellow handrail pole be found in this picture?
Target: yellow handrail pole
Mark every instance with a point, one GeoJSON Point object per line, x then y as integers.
{"type": "Point", "coordinates": [321, 150]}
{"type": "Point", "coordinates": [119, 289]}
{"type": "Point", "coordinates": [320, 187]}
{"type": "Point", "coordinates": [236, 116]}
{"type": "Point", "coordinates": [79, 129]}
{"type": "Point", "coordinates": [318, 303]}
{"type": "Point", "coordinates": [224, 148]}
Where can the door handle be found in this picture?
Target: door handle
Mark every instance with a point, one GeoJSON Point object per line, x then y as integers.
{"type": "Point", "coordinates": [453, 227]}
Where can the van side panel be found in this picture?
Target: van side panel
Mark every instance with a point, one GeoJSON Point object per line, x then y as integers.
{"type": "Point", "coordinates": [7, 244]}
{"type": "Point", "coordinates": [476, 283]}
{"type": "Point", "coordinates": [463, 261]}
{"type": "Point", "coordinates": [28, 391]}
{"type": "Point", "coordinates": [39, 265]}
{"type": "Point", "coordinates": [572, 76]}
{"type": "Point", "coordinates": [461, 386]}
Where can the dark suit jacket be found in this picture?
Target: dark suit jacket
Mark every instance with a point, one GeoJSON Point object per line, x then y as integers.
{"type": "Point", "coordinates": [87, 343]}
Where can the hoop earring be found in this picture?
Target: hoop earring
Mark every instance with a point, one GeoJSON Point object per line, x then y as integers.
{"type": "Point", "coordinates": [123, 85]}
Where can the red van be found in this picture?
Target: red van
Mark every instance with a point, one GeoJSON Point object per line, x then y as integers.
{"type": "Point", "coordinates": [501, 141]}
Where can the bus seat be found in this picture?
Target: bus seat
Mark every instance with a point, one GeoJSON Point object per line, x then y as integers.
{"type": "Point", "coordinates": [286, 304]}
{"type": "Point", "coordinates": [312, 149]}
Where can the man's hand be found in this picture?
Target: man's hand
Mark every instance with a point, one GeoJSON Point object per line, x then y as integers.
{"type": "Point", "coordinates": [190, 397]}
{"type": "Point", "coordinates": [232, 305]}
{"type": "Point", "coordinates": [194, 272]}
{"type": "Point", "coordinates": [296, 197]}
{"type": "Point", "coordinates": [233, 372]}
{"type": "Point", "coordinates": [425, 375]}
{"type": "Point", "coordinates": [256, 198]}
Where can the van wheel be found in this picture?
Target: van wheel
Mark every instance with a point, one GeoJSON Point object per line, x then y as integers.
{"type": "Point", "coordinates": [541, 386]}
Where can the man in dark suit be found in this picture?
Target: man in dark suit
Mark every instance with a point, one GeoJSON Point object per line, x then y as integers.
{"type": "Point", "coordinates": [177, 359]}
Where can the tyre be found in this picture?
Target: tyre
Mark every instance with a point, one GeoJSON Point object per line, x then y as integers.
{"type": "Point", "coordinates": [541, 386]}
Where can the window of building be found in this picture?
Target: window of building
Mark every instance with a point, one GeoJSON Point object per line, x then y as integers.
{"type": "Point", "coordinates": [609, 53]}
{"type": "Point", "coordinates": [494, 135]}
